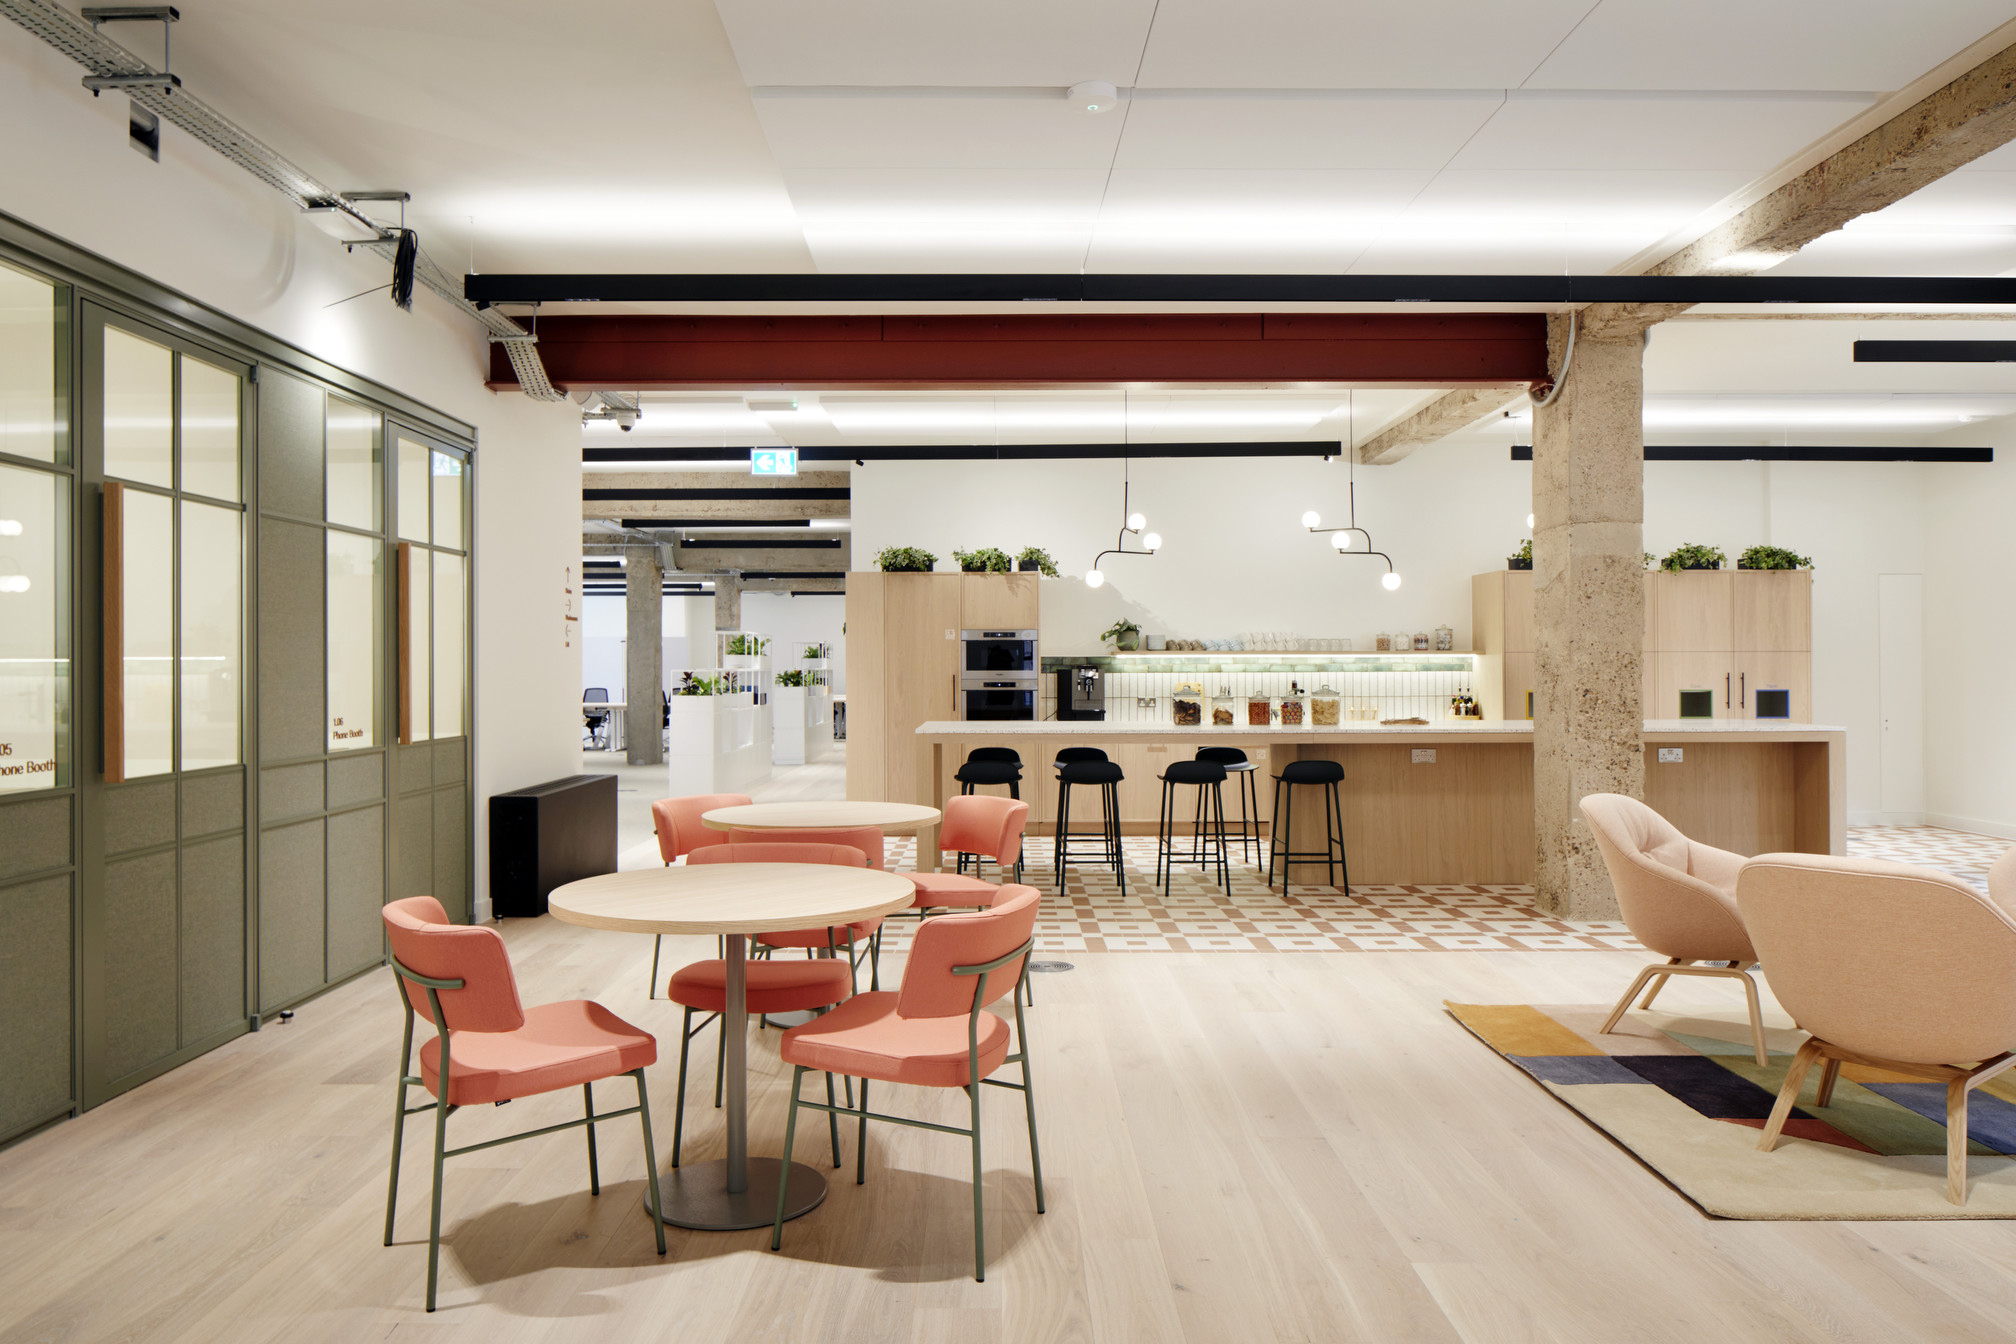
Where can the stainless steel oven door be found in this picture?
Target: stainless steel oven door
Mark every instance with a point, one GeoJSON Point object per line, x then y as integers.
{"type": "Point", "coordinates": [997, 653]}
{"type": "Point", "coordinates": [995, 701]}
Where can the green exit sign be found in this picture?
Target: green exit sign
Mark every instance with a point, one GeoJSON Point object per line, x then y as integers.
{"type": "Point", "coordinates": [773, 462]}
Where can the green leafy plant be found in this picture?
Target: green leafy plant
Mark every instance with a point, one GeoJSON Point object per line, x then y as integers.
{"type": "Point", "coordinates": [1773, 557]}
{"type": "Point", "coordinates": [812, 653]}
{"type": "Point", "coordinates": [1521, 558]}
{"type": "Point", "coordinates": [692, 685]}
{"type": "Point", "coordinates": [747, 646]}
{"type": "Point", "coordinates": [1651, 560]}
{"type": "Point", "coordinates": [987, 560]}
{"type": "Point", "coordinates": [1123, 634]}
{"type": "Point", "coordinates": [794, 677]}
{"type": "Point", "coordinates": [1693, 556]}
{"type": "Point", "coordinates": [1037, 559]}
{"type": "Point", "coordinates": [906, 560]}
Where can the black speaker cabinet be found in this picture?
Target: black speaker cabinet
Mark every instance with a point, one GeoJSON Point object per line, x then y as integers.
{"type": "Point", "coordinates": [547, 836]}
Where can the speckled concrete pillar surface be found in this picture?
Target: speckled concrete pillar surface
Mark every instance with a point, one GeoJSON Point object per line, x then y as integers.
{"type": "Point", "coordinates": [643, 655]}
{"type": "Point", "coordinates": [1588, 612]}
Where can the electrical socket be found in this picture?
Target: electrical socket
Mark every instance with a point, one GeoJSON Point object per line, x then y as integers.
{"type": "Point", "coordinates": [1672, 755]}
{"type": "Point", "coordinates": [1424, 755]}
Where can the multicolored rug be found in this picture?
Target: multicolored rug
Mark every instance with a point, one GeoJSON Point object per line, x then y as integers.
{"type": "Point", "coordinates": [1685, 1095]}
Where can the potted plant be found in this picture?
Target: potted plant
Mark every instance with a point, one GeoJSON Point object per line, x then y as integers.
{"type": "Point", "coordinates": [793, 677]}
{"type": "Point", "coordinates": [906, 560]}
{"type": "Point", "coordinates": [1036, 560]}
{"type": "Point", "coordinates": [987, 560]}
{"type": "Point", "coordinates": [1521, 558]}
{"type": "Point", "coordinates": [1693, 556]}
{"type": "Point", "coordinates": [813, 653]}
{"type": "Point", "coordinates": [1772, 557]}
{"type": "Point", "coordinates": [692, 685]}
{"type": "Point", "coordinates": [1123, 635]}
{"type": "Point", "coordinates": [747, 646]}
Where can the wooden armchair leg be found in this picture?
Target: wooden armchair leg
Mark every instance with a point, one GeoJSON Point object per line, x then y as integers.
{"type": "Point", "coordinates": [1788, 1095]}
{"type": "Point", "coordinates": [1660, 984]}
{"type": "Point", "coordinates": [1625, 1002]}
{"type": "Point", "coordinates": [1956, 1140]}
{"type": "Point", "coordinates": [1757, 1030]}
{"type": "Point", "coordinates": [1829, 1071]}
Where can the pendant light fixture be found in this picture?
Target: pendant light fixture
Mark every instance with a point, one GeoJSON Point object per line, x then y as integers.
{"type": "Point", "coordinates": [1130, 522]}
{"type": "Point", "coordinates": [1345, 538]}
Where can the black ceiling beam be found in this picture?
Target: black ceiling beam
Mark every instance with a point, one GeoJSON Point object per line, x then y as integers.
{"type": "Point", "coordinates": [1935, 352]}
{"type": "Point", "coordinates": [1773, 453]}
{"type": "Point", "coordinates": [668, 524]}
{"type": "Point", "coordinates": [751, 492]}
{"type": "Point", "coordinates": [760, 543]}
{"type": "Point", "coordinates": [1467, 289]}
{"type": "Point", "coordinates": [971, 452]}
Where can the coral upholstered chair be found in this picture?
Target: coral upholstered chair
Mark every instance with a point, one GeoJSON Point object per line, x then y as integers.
{"type": "Point", "coordinates": [493, 1049]}
{"type": "Point", "coordinates": [680, 832]}
{"type": "Point", "coordinates": [982, 824]}
{"type": "Point", "coordinates": [768, 986]}
{"type": "Point", "coordinates": [933, 1032]}
{"type": "Point", "coordinates": [867, 939]}
{"type": "Point", "coordinates": [1679, 899]}
{"type": "Point", "coordinates": [1890, 966]}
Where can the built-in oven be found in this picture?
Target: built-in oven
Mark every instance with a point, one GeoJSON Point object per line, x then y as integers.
{"type": "Point", "coordinates": [997, 653]}
{"type": "Point", "coordinates": [997, 699]}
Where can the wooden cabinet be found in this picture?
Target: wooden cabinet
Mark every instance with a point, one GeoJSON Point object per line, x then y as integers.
{"type": "Point", "coordinates": [1721, 634]}
{"type": "Point", "coordinates": [903, 662]}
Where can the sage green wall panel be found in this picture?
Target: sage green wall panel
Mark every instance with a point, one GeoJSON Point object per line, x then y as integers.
{"type": "Point", "coordinates": [291, 911]}
{"type": "Point", "coordinates": [415, 766]}
{"type": "Point", "coordinates": [139, 815]}
{"type": "Point", "coordinates": [451, 848]}
{"type": "Point", "coordinates": [290, 444]}
{"type": "Point", "coordinates": [356, 779]}
{"type": "Point", "coordinates": [293, 683]}
{"type": "Point", "coordinates": [356, 890]}
{"type": "Point", "coordinates": [34, 835]}
{"type": "Point", "coordinates": [289, 791]}
{"type": "Point", "coordinates": [35, 999]}
{"type": "Point", "coordinates": [213, 803]}
{"type": "Point", "coordinates": [213, 936]}
{"type": "Point", "coordinates": [413, 869]}
{"type": "Point", "coordinates": [140, 966]}
{"type": "Point", "coordinates": [449, 757]}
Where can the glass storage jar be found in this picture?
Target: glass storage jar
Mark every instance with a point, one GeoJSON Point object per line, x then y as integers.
{"type": "Point", "coordinates": [1382, 643]}
{"type": "Point", "coordinates": [1224, 710]}
{"type": "Point", "coordinates": [1402, 642]}
{"type": "Point", "coordinates": [1326, 708]}
{"type": "Point", "coordinates": [1445, 639]}
{"type": "Point", "coordinates": [1187, 704]}
{"type": "Point", "coordinates": [1422, 642]}
{"type": "Point", "coordinates": [1294, 709]}
{"type": "Point", "coordinates": [1259, 711]}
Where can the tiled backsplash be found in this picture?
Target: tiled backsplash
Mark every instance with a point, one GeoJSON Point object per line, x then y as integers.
{"type": "Point", "coordinates": [1139, 690]}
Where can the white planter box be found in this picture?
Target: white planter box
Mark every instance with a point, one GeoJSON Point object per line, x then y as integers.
{"type": "Point", "coordinates": [803, 719]}
{"type": "Point", "coordinates": [713, 746]}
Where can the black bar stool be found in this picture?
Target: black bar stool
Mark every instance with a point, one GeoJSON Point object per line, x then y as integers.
{"type": "Point", "coordinates": [1246, 785]}
{"type": "Point", "coordinates": [1208, 842]}
{"type": "Point", "coordinates": [1325, 776]}
{"type": "Point", "coordinates": [1104, 847]}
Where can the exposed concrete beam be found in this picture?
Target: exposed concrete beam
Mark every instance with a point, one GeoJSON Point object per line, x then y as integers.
{"type": "Point", "coordinates": [755, 510]}
{"type": "Point", "coordinates": [1443, 416]}
{"type": "Point", "coordinates": [1947, 129]}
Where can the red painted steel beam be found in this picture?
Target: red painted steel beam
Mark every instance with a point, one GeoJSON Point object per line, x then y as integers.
{"type": "Point", "coordinates": [634, 353]}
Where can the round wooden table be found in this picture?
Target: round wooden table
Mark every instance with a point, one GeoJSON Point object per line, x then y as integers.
{"type": "Point", "coordinates": [733, 900]}
{"type": "Point", "coordinates": [899, 817]}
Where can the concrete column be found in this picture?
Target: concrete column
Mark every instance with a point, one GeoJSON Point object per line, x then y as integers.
{"type": "Point", "coordinates": [1588, 610]}
{"type": "Point", "coordinates": [727, 602]}
{"type": "Point", "coordinates": [644, 656]}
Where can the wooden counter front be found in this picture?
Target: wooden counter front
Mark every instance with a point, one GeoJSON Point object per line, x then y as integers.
{"type": "Point", "coordinates": [1466, 816]}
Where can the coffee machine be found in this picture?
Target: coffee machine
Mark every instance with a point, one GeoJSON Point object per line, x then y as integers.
{"type": "Point", "coordinates": [1081, 694]}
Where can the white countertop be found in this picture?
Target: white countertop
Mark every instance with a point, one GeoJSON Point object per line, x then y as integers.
{"type": "Point", "coordinates": [1443, 727]}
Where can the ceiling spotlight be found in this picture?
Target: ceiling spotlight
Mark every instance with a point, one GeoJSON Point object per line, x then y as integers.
{"type": "Point", "coordinates": [1312, 519]}
{"type": "Point", "coordinates": [1093, 578]}
{"type": "Point", "coordinates": [1391, 581]}
{"type": "Point", "coordinates": [1093, 96]}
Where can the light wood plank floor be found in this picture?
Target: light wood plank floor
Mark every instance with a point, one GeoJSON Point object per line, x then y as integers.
{"type": "Point", "coordinates": [1238, 1148]}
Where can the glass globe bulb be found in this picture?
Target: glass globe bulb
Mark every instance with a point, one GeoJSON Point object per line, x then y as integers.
{"type": "Point", "coordinates": [1153, 541]}
{"type": "Point", "coordinates": [1341, 540]}
{"type": "Point", "coordinates": [1135, 522]}
{"type": "Point", "coordinates": [1093, 578]}
{"type": "Point", "coordinates": [1311, 518]}
{"type": "Point", "coordinates": [1391, 581]}
{"type": "Point", "coordinates": [1529, 522]}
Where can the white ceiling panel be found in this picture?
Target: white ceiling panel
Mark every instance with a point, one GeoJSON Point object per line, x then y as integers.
{"type": "Point", "coordinates": [1299, 133]}
{"type": "Point", "coordinates": [936, 42]}
{"type": "Point", "coordinates": [899, 132]}
{"type": "Point", "coordinates": [1367, 44]}
{"type": "Point", "coordinates": [1288, 200]}
{"type": "Point", "coordinates": [905, 198]}
{"type": "Point", "coordinates": [1694, 134]}
{"type": "Point", "coordinates": [1598, 200]}
{"type": "Point", "coordinates": [1765, 44]}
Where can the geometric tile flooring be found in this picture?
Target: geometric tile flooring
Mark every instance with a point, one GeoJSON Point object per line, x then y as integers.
{"type": "Point", "coordinates": [1196, 916]}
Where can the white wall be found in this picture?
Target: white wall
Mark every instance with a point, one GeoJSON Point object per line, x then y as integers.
{"type": "Point", "coordinates": [1235, 558]}
{"type": "Point", "coordinates": [793, 622]}
{"type": "Point", "coordinates": [202, 226]}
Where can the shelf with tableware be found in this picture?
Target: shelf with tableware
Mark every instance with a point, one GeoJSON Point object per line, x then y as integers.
{"type": "Point", "coordinates": [716, 738]}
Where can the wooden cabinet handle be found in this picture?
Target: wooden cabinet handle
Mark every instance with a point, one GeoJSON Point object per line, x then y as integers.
{"type": "Point", "coordinates": [1725, 690]}
{"type": "Point", "coordinates": [113, 641]}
